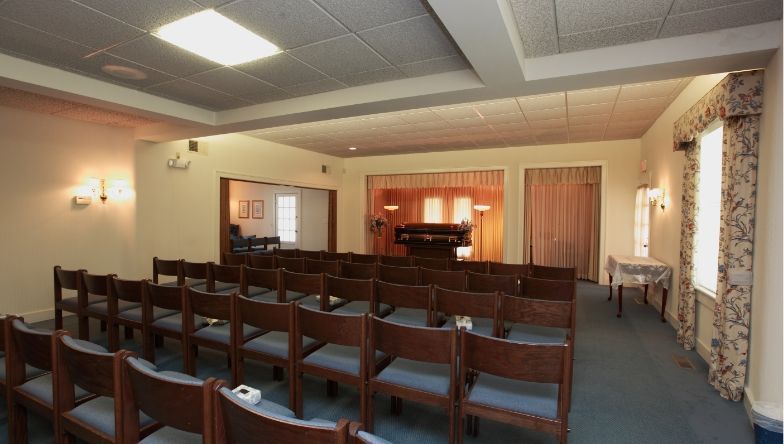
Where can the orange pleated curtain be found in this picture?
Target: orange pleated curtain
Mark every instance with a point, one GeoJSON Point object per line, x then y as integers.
{"type": "Point", "coordinates": [562, 218]}
{"type": "Point", "coordinates": [456, 194]}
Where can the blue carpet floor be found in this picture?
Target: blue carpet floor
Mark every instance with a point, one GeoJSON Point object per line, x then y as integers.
{"type": "Point", "coordinates": [627, 388]}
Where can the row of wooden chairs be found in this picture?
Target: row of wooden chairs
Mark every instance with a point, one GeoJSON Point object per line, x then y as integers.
{"type": "Point", "coordinates": [93, 395]}
{"type": "Point", "coordinates": [254, 244]}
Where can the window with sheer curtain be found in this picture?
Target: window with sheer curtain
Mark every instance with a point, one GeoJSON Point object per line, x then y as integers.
{"type": "Point", "coordinates": [706, 253]}
{"type": "Point", "coordinates": [641, 221]}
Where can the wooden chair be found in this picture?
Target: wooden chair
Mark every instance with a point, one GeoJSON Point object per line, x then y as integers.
{"type": "Point", "coordinates": [257, 244]}
{"type": "Point", "coordinates": [397, 261]}
{"type": "Point", "coordinates": [197, 308]}
{"type": "Point", "coordinates": [130, 291]}
{"type": "Point", "coordinates": [508, 284]}
{"type": "Point", "coordinates": [243, 423]}
{"type": "Point", "coordinates": [28, 346]}
{"type": "Point", "coordinates": [195, 275]}
{"type": "Point", "coordinates": [357, 270]}
{"type": "Point", "coordinates": [240, 245]}
{"type": "Point", "coordinates": [301, 287]}
{"type": "Point", "coordinates": [87, 366]}
{"type": "Point", "coordinates": [334, 256]}
{"type": "Point", "coordinates": [310, 254]}
{"type": "Point", "coordinates": [482, 308]}
{"type": "Point", "coordinates": [295, 264]}
{"type": "Point", "coordinates": [234, 258]}
{"type": "Point", "coordinates": [472, 266]}
{"type": "Point", "coordinates": [264, 261]}
{"type": "Point", "coordinates": [184, 406]}
{"type": "Point", "coordinates": [285, 252]}
{"type": "Point", "coordinates": [359, 295]}
{"type": "Point", "coordinates": [313, 266]}
{"type": "Point", "coordinates": [261, 282]}
{"type": "Point", "coordinates": [423, 369]}
{"type": "Point", "coordinates": [518, 383]}
{"type": "Point", "coordinates": [503, 268]}
{"type": "Point", "coordinates": [100, 285]}
{"type": "Point", "coordinates": [72, 280]}
{"type": "Point", "coordinates": [360, 258]}
{"type": "Point", "coordinates": [30, 372]}
{"type": "Point", "coordinates": [433, 263]}
{"type": "Point", "coordinates": [341, 359]}
{"type": "Point", "coordinates": [452, 280]}
{"type": "Point", "coordinates": [169, 268]}
{"type": "Point", "coordinates": [550, 290]}
{"type": "Point", "coordinates": [162, 316]}
{"type": "Point", "coordinates": [275, 346]}
{"type": "Point", "coordinates": [224, 279]}
{"type": "Point", "coordinates": [398, 275]}
{"type": "Point", "coordinates": [272, 240]}
{"type": "Point", "coordinates": [412, 304]}
{"type": "Point", "coordinates": [553, 273]}
{"type": "Point", "coordinates": [357, 435]}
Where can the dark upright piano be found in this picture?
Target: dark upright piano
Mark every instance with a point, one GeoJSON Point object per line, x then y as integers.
{"type": "Point", "coordinates": [432, 240]}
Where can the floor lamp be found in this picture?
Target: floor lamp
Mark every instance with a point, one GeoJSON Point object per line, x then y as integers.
{"type": "Point", "coordinates": [481, 209]}
{"type": "Point", "coordinates": [390, 209]}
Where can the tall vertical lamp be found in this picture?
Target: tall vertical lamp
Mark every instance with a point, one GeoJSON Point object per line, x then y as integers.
{"type": "Point", "coordinates": [390, 209]}
{"type": "Point", "coordinates": [481, 209]}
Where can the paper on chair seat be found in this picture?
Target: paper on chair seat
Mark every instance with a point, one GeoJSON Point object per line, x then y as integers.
{"type": "Point", "coordinates": [463, 321]}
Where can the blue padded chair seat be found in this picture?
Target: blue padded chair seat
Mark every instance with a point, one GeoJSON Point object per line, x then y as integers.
{"type": "Point", "coordinates": [519, 396]}
{"type": "Point", "coordinates": [480, 326]}
{"type": "Point", "coordinates": [275, 343]}
{"type": "Point", "coordinates": [425, 376]}
{"type": "Point", "coordinates": [257, 291]}
{"type": "Point", "coordinates": [264, 406]}
{"type": "Point", "coordinates": [372, 439]}
{"type": "Point", "coordinates": [135, 314]}
{"type": "Point", "coordinates": [537, 334]}
{"type": "Point", "coordinates": [342, 358]}
{"type": "Point", "coordinates": [226, 288]}
{"type": "Point", "coordinates": [173, 322]}
{"type": "Point", "coordinates": [71, 304]}
{"type": "Point", "coordinates": [99, 413]}
{"type": "Point", "coordinates": [408, 316]}
{"type": "Point", "coordinates": [270, 296]}
{"type": "Point", "coordinates": [193, 283]}
{"type": "Point", "coordinates": [41, 389]}
{"type": "Point", "coordinates": [30, 371]}
{"type": "Point", "coordinates": [222, 333]}
{"type": "Point", "coordinates": [103, 307]}
{"type": "Point", "coordinates": [169, 284]}
{"type": "Point", "coordinates": [294, 295]}
{"type": "Point", "coordinates": [170, 435]}
{"type": "Point", "coordinates": [312, 302]}
{"type": "Point", "coordinates": [359, 307]}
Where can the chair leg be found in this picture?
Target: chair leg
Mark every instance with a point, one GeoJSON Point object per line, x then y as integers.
{"type": "Point", "coordinates": [277, 373]}
{"type": "Point", "coordinates": [128, 333]}
{"type": "Point", "coordinates": [103, 325]}
{"type": "Point", "coordinates": [190, 359]}
{"type": "Point", "coordinates": [475, 427]}
{"type": "Point", "coordinates": [84, 328]}
{"type": "Point", "coordinates": [370, 412]}
{"type": "Point", "coordinates": [298, 408]}
{"type": "Point", "coordinates": [113, 331]}
{"type": "Point", "coordinates": [158, 340]}
{"type": "Point", "coordinates": [17, 424]}
{"type": "Point", "coordinates": [58, 319]}
{"type": "Point", "coordinates": [147, 346]}
{"type": "Point", "coordinates": [332, 388]}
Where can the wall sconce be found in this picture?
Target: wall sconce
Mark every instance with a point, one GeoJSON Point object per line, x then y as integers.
{"type": "Point", "coordinates": [96, 188]}
{"type": "Point", "coordinates": [657, 197]}
{"type": "Point", "coordinates": [391, 207]}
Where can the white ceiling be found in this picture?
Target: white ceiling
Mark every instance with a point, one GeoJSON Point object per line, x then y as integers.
{"type": "Point", "coordinates": [396, 61]}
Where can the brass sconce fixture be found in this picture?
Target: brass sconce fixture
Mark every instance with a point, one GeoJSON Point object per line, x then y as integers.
{"type": "Point", "coordinates": [657, 197]}
{"type": "Point", "coordinates": [96, 188]}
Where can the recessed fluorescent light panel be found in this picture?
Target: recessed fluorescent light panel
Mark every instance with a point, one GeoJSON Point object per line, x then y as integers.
{"type": "Point", "coordinates": [216, 38]}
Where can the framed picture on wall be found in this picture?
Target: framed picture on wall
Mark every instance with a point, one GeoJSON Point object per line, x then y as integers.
{"type": "Point", "coordinates": [257, 209]}
{"type": "Point", "coordinates": [244, 209]}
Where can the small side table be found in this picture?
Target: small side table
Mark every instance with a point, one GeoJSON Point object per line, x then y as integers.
{"type": "Point", "coordinates": [638, 270]}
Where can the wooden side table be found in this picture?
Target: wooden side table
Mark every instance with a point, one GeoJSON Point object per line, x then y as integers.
{"type": "Point", "coordinates": [638, 270]}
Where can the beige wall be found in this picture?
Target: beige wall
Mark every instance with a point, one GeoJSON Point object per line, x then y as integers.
{"type": "Point", "coordinates": [43, 159]}
{"type": "Point", "coordinates": [314, 227]}
{"type": "Point", "coordinates": [620, 158]}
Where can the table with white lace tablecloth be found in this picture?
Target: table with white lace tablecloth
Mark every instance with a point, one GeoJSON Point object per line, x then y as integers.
{"type": "Point", "coordinates": [638, 270]}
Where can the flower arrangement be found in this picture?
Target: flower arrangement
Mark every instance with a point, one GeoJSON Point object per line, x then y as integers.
{"type": "Point", "coordinates": [377, 223]}
{"type": "Point", "coordinates": [466, 225]}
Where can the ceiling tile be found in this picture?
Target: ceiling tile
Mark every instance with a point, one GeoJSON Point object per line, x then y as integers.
{"type": "Point", "coordinates": [497, 107]}
{"type": "Point", "coordinates": [543, 101]}
{"type": "Point", "coordinates": [505, 118]}
{"type": "Point", "coordinates": [419, 116]}
{"type": "Point", "coordinates": [520, 140]}
{"type": "Point", "coordinates": [145, 14]}
{"type": "Point", "coordinates": [548, 124]}
{"type": "Point", "coordinates": [286, 23]}
{"type": "Point", "coordinates": [720, 18]}
{"type": "Point", "coordinates": [363, 14]}
{"type": "Point", "coordinates": [536, 26]}
{"type": "Point", "coordinates": [591, 110]}
{"type": "Point", "coordinates": [594, 128]}
{"type": "Point", "coordinates": [370, 77]}
{"type": "Point", "coordinates": [163, 56]}
{"type": "Point", "coordinates": [648, 90]}
{"type": "Point", "coordinates": [592, 96]}
{"type": "Point", "coordinates": [601, 38]}
{"type": "Point", "coordinates": [341, 56]}
{"type": "Point", "coordinates": [640, 114]}
{"type": "Point", "coordinates": [624, 133]}
{"type": "Point", "coordinates": [70, 20]}
{"type": "Point", "coordinates": [240, 85]}
{"type": "Point", "coordinates": [34, 44]}
{"type": "Point", "coordinates": [470, 122]}
{"type": "Point", "coordinates": [463, 112]}
{"type": "Point", "coordinates": [589, 120]}
{"type": "Point", "coordinates": [658, 103]}
{"type": "Point", "coordinates": [545, 114]}
{"type": "Point", "coordinates": [587, 15]}
{"type": "Point", "coordinates": [684, 6]}
{"type": "Point", "coordinates": [510, 127]}
{"type": "Point", "coordinates": [212, 3]}
{"type": "Point", "coordinates": [434, 66]}
{"type": "Point", "coordinates": [281, 70]}
{"type": "Point", "coordinates": [189, 92]}
{"type": "Point", "coordinates": [378, 121]}
{"type": "Point", "coordinates": [409, 41]}
{"type": "Point", "coordinates": [552, 138]}
{"type": "Point", "coordinates": [317, 87]}
{"type": "Point", "coordinates": [618, 124]}
{"type": "Point", "coordinates": [585, 136]}
{"type": "Point", "coordinates": [93, 65]}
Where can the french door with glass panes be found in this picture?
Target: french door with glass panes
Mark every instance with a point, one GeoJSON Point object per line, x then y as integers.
{"type": "Point", "coordinates": [287, 219]}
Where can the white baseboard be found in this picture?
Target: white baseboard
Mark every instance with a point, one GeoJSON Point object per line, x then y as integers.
{"type": "Point", "coordinates": [704, 351]}
{"type": "Point", "coordinates": [748, 401]}
{"type": "Point", "coordinates": [42, 315]}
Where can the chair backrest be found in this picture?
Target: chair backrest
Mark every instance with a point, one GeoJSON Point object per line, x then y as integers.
{"type": "Point", "coordinates": [265, 315]}
{"type": "Point", "coordinates": [398, 275]}
{"type": "Point", "coordinates": [313, 266]}
{"type": "Point", "coordinates": [452, 280]}
{"type": "Point", "coordinates": [229, 274]}
{"type": "Point", "coordinates": [86, 365]}
{"type": "Point", "coordinates": [242, 423]}
{"type": "Point", "coordinates": [553, 273]}
{"type": "Point", "coordinates": [27, 345]}
{"type": "Point", "coordinates": [548, 289]}
{"type": "Point", "coordinates": [259, 277]}
{"type": "Point", "coordinates": [272, 240]}
{"type": "Point", "coordinates": [350, 289]}
{"type": "Point", "coordinates": [284, 252]}
{"type": "Point", "coordinates": [300, 282]}
{"type": "Point", "coordinates": [473, 266]}
{"type": "Point", "coordinates": [240, 244]}
{"type": "Point", "coordinates": [257, 243]}
{"type": "Point", "coordinates": [433, 263]}
{"type": "Point", "coordinates": [311, 254]}
{"type": "Point", "coordinates": [397, 261]}
{"type": "Point", "coordinates": [340, 329]}
{"type": "Point", "coordinates": [426, 344]}
{"type": "Point", "coordinates": [335, 256]}
{"type": "Point", "coordinates": [96, 284]}
{"type": "Point", "coordinates": [261, 261]}
{"type": "Point", "coordinates": [234, 258]}
{"type": "Point", "coordinates": [130, 290]}
{"type": "Point", "coordinates": [169, 297]}
{"type": "Point", "coordinates": [167, 267]}
{"type": "Point", "coordinates": [463, 303]}
{"type": "Point", "coordinates": [296, 264]}
{"type": "Point", "coordinates": [194, 270]}
{"type": "Point", "coordinates": [357, 270]}
{"type": "Point", "coordinates": [67, 280]}
{"type": "Point", "coordinates": [174, 400]}
{"type": "Point", "coordinates": [209, 305]}
{"type": "Point", "coordinates": [408, 296]}
{"type": "Point", "coordinates": [537, 312]}
{"type": "Point", "coordinates": [503, 268]}
{"type": "Point", "coordinates": [506, 283]}
{"type": "Point", "coordinates": [360, 258]}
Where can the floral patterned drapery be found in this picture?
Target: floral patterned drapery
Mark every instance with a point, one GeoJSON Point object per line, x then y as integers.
{"type": "Point", "coordinates": [737, 101]}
